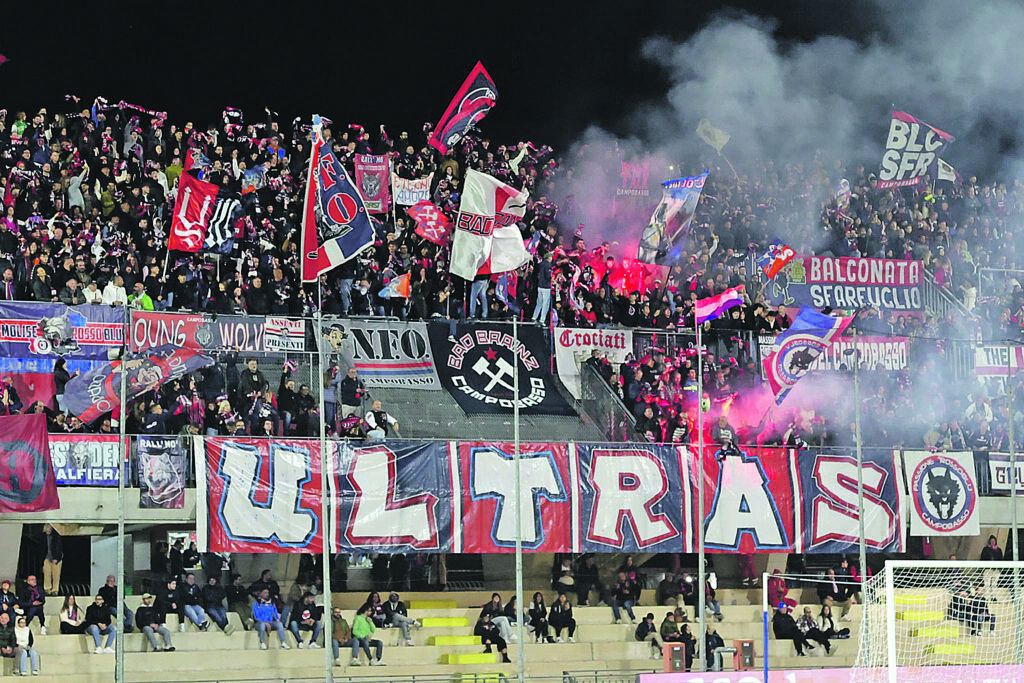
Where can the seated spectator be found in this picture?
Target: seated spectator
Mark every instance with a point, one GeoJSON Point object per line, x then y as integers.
{"type": "Point", "coordinates": [8, 600]}
{"type": "Point", "coordinates": [809, 627]}
{"type": "Point", "coordinates": [971, 610]}
{"type": "Point", "coordinates": [587, 579]}
{"type": "Point", "coordinates": [711, 605]}
{"type": "Point", "coordinates": [777, 590]}
{"type": "Point", "coordinates": [396, 614]}
{"type": "Point", "coordinates": [362, 637]}
{"type": "Point", "coordinates": [72, 618]}
{"type": "Point", "coordinates": [539, 619]}
{"type": "Point", "coordinates": [265, 612]}
{"type": "Point", "coordinates": [561, 618]}
{"type": "Point", "coordinates": [305, 615]}
{"type": "Point", "coordinates": [266, 581]}
{"type": "Point", "coordinates": [213, 603]}
{"type": "Point", "coordinates": [668, 592]}
{"type": "Point", "coordinates": [490, 637]}
{"type": "Point", "coordinates": [494, 608]}
{"type": "Point", "coordinates": [379, 422]}
{"type": "Point", "coordinates": [192, 597]}
{"type": "Point", "coordinates": [669, 629]}
{"type": "Point", "coordinates": [238, 600]}
{"type": "Point", "coordinates": [647, 632]}
{"type": "Point", "coordinates": [715, 649]}
{"type": "Point", "coordinates": [828, 627]}
{"type": "Point", "coordinates": [630, 570]}
{"type": "Point", "coordinates": [341, 634]}
{"type": "Point", "coordinates": [8, 643]}
{"type": "Point", "coordinates": [380, 620]}
{"type": "Point", "coordinates": [31, 599]}
{"type": "Point", "coordinates": [24, 650]}
{"type": "Point", "coordinates": [150, 620]}
{"type": "Point", "coordinates": [109, 593]}
{"type": "Point", "coordinates": [785, 628]}
{"type": "Point", "coordinates": [97, 619]}
{"type": "Point", "coordinates": [562, 575]}
{"type": "Point", "coordinates": [622, 596]}
{"type": "Point", "coordinates": [511, 613]}
{"type": "Point", "coordinates": [833, 591]}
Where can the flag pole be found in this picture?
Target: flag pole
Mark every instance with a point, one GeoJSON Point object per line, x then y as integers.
{"type": "Point", "coordinates": [521, 649]}
{"type": "Point", "coordinates": [701, 578]}
{"type": "Point", "coordinates": [123, 450]}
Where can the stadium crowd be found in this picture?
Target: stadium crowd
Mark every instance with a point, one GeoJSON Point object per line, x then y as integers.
{"type": "Point", "coordinates": [88, 195]}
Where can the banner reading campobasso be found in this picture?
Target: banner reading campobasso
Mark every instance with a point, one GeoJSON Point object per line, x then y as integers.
{"type": "Point", "coordinates": [849, 283]}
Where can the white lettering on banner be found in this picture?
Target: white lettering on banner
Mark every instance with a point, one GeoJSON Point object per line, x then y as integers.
{"type": "Point", "coordinates": [378, 516]}
{"type": "Point", "coordinates": [574, 346]}
{"type": "Point", "coordinates": [835, 513]}
{"type": "Point", "coordinates": [281, 518]}
{"type": "Point", "coordinates": [628, 484]}
{"type": "Point", "coordinates": [859, 296]}
{"type": "Point", "coordinates": [863, 271]}
{"type": "Point", "coordinates": [997, 361]}
{"type": "Point", "coordinates": [150, 332]}
{"type": "Point", "coordinates": [388, 344]}
{"type": "Point", "coordinates": [192, 232]}
{"type": "Point", "coordinates": [999, 472]}
{"type": "Point", "coordinates": [743, 504]}
{"type": "Point", "coordinates": [494, 476]}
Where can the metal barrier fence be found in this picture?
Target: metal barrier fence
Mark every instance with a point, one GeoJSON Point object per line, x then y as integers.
{"type": "Point", "coordinates": [605, 409]}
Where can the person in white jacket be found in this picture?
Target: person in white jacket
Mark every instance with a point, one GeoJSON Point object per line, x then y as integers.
{"type": "Point", "coordinates": [114, 293]}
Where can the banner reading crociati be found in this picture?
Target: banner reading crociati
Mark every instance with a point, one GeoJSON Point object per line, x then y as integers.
{"type": "Point", "coordinates": [573, 347]}
{"type": "Point", "coordinates": [849, 283]}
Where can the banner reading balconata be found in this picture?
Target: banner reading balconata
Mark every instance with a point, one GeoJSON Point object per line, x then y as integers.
{"type": "Point", "coordinates": [849, 283]}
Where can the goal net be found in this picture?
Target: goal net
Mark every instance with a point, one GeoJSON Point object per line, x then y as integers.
{"type": "Point", "coordinates": [937, 622]}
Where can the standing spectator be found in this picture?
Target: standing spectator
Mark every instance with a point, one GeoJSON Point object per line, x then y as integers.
{"type": "Point", "coordinates": [150, 620]}
{"type": "Point", "coordinates": [24, 650]}
{"type": "Point", "coordinates": [490, 637]}
{"type": "Point", "coordinates": [622, 596]}
{"type": "Point", "coordinates": [72, 618]}
{"type": "Point", "coordinates": [715, 648]}
{"type": "Point", "coordinates": [378, 422]}
{"type": "Point", "coordinates": [97, 619]}
{"type": "Point", "coordinates": [785, 628]}
{"type": "Point", "coordinates": [341, 634]}
{"type": "Point", "coordinates": [561, 617]}
{"type": "Point", "coordinates": [362, 637]}
{"type": "Point", "coordinates": [61, 377]}
{"type": "Point", "coordinates": [306, 616]}
{"type": "Point", "coordinates": [540, 311]}
{"type": "Point", "coordinates": [264, 611]}
{"type": "Point", "coordinates": [647, 632]}
{"type": "Point", "coordinates": [396, 614]}
{"type": "Point", "coordinates": [991, 553]}
{"type": "Point", "coordinates": [175, 560]}
{"type": "Point", "coordinates": [32, 600]}
{"type": "Point", "coordinates": [587, 579]}
{"type": "Point", "coordinates": [834, 592]}
{"type": "Point", "coordinates": [539, 619]}
{"type": "Point", "coordinates": [351, 390]}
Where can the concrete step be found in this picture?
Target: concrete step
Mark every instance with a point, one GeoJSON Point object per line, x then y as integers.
{"type": "Point", "coordinates": [443, 641]}
{"type": "Point", "coordinates": [470, 658]}
{"type": "Point", "coordinates": [432, 604]}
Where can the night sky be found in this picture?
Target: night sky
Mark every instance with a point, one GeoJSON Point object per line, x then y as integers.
{"type": "Point", "coordinates": [559, 66]}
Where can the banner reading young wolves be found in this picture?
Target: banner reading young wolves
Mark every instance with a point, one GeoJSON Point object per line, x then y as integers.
{"type": "Point", "coordinates": [849, 283]}
{"type": "Point", "coordinates": [477, 369]}
{"type": "Point", "coordinates": [392, 497]}
{"type": "Point", "coordinates": [574, 347]}
{"type": "Point", "coordinates": [748, 500]}
{"type": "Point", "coordinates": [85, 459]}
{"type": "Point", "coordinates": [944, 493]}
{"type": "Point", "coordinates": [246, 333]}
{"type": "Point", "coordinates": [258, 495]}
{"type": "Point", "coordinates": [386, 354]}
{"type": "Point", "coordinates": [828, 513]}
{"type": "Point", "coordinates": [161, 472]}
{"type": "Point", "coordinates": [911, 150]}
{"type": "Point", "coordinates": [411, 192]}
{"type": "Point", "coordinates": [30, 330]}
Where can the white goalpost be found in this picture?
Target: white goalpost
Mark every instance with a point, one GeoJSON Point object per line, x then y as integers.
{"type": "Point", "coordinates": [942, 622]}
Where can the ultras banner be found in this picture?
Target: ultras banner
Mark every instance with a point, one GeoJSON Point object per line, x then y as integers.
{"type": "Point", "coordinates": [887, 353]}
{"type": "Point", "coordinates": [943, 491]}
{"type": "Point", "coordinates": [31, 330]}
{"type": "Point", "coordinates": [385, 354]}
{"type": "Point", "coordinates": [574, 347]}
{"type": "Point", "coordinates": [248, 333]}
{"type": "Point", "coordinates": [161, 472]}
{"type": "Point", "coordinates": [911, 150]}
{"type": "Point", "coordinates": [27, 481]}
{"type": "Point", "coordinates": [849, 283]}
{"type": "Point", "coordinates": [414, 496]}
{"type": "Point", "coordinates": [85, 459]}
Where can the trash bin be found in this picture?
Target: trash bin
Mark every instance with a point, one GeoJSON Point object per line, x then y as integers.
{"type": "Point", "coordinates": [743, 660]}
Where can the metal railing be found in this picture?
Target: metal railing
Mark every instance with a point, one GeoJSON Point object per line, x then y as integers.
{"type": "Point", "coordinates": [939, 300]}
{"type": "Point", "coordinates": [605, 409]}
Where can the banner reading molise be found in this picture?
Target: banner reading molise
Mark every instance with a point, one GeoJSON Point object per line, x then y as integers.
{"type": "Point", "coordinates": [574, 347]}
{"type": "Point", "coordinates": [30, 329]}
{"type": "Point", "coordinates": [849, 283]}
{"type": "Point", "coordinates": [578, 497]}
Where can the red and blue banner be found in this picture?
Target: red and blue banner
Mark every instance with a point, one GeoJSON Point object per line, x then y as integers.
{"type": "Point", "coordinates": [796, 349]}
{"type": "Point", "coordinates": [471, 103]}
{"type": "Point", "coordinates": [41, 330]}
{"type": "Point", "coordinates": [27, 481]}
{"type": "Point", "coordinates": [849, 283]}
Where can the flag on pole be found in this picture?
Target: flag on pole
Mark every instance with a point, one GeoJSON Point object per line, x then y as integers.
{"type": "Point", "coordinates": [192, 211]}
{"type": "Point", "coordinates": [797, 348]}
{"type": "Point", "coordinates": [471, 103]}
{"type": "Point", "coordinates": [335, 224]}
{"type": "Point", "coordinates": [674, 213]}
{"type": "Point", "coordinates": [716, 137]}
{"type": "Point", "coordinates": [397, 287]}
{"type": "Point", "coordinates": [431, 223]}
{"type": "Point", "coordinates": [220, 233]}
{"type": "Point", "coordinates": [775, 258]}
{"type": "Point", "coordinates": [487, 239]}
{"type": "Point", "coordinates": [947, 172]}
{"type": "Point", "coordinates": [714, 306]}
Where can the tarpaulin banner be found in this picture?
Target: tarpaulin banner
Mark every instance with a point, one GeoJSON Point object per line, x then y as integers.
{"type": "Point", "coordinates": [245, 333]}
{"type": "Point", "coordinates": [885, 353]}
{"type": "Point", "coordinates": [161, 468]}
{"type": "Point", "coordinates": [411, 192]}
{"type": "Point", "coordinates": [372, 175]}
{"type": "Point", "coordinates": [748, 500]}
{"type": "Point", "coordinates": [998, 361]}
{"type": "Point", "coordinates": [27, 481]}
{"type": "Point", "coordinates": [30, 329]}
{"type": "Point", "coordinates": [575, 347]}
{"type": "Point", "coordinates": [477, 369]}
{"type": "Point", "coordinates": [485, 518]}
{"type": "Point", "coordinates": [673, 215]}
{"type": "Point", "coordinates": [911, 149]}
{"type": "Point", "coordinates": [85, 459]}
{"type": "Point", "coordinates": [386, 354]}
{"type": "Point", "coordinates": [99, 391]}
{"type": "Point", "coordinates": [943, 492]}
{"type": "Point", "coordinates": [258, 495]}
{"type": "Point", "coordinates": [999, 473]}
{"type": "Point", "coordinates": [631, 498]}
{"type": "Point", "coordinates": [285, 334]}
{"type": "Point", "coordinates": [828, 510]}
{"type": "Point", "coordinates": [634, 176]}
{"type": "Point", "coordinates": [849, 283]}
{"type": "Point", "coordinates": [192, 212]}
{"type": "Point", "coordinates": [393, 497]}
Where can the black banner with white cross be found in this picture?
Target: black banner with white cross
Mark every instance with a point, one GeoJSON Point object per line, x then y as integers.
{"type": "Point", "coordinates": [477, 369]}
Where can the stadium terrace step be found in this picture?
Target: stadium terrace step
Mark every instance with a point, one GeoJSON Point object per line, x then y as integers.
{"type": "Point", "coordinates": [921, 615]}
{"type": "Point", "coordinates": [431, 622]}
{"type": "Point", "coordinates": [912, 599]}
{"type": "Point", "coordinates": [432, 604]}
{"type": "Point", "coordinates": [950, 649]}
{"type": "Point", "coordinates": [944, 631]}
{"type": "Point", "coordinates": [453, 640]}
{"type": "Point", "coordinates": [476, 658]}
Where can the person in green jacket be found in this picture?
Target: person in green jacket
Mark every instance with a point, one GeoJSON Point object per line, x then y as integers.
{"type": "Point", "coordinates": [362, 631]}
{"type": "Point", "coordinates": [139, 298]}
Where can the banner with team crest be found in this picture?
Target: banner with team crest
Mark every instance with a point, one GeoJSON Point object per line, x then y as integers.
{"type": "Point", "coordinates": [372, 175]}
{"type": "Point", "coordinates": [944, 493]}
{"type": "Point", "coordinates": [33, 330]}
